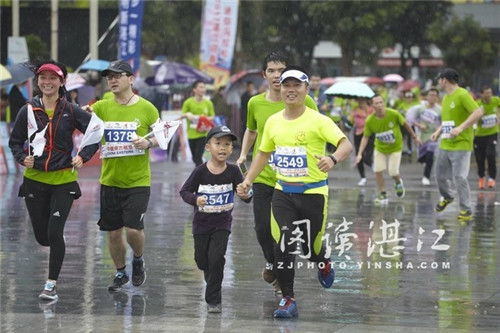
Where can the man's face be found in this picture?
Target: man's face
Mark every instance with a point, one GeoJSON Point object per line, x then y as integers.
{"type": "Point", "coordinates": [272, 74]}
{"type": "Point", "coordinates": [315, 82]}
{"type": "Point", "coordinates": [378, 103]}
{"type": "Point", "coordinates": [432, 97]}
{"type": "Point", "coordinates": [486, 95]}
{"type": "Point", "coordinates": [293, 91]}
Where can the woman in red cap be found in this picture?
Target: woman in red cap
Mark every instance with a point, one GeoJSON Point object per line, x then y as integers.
{"type": "Point", "coordinates": [49, 186]}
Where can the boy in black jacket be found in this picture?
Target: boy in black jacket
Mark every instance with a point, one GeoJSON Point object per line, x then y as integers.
{"type": "Point", "coordinates": [210, 189]}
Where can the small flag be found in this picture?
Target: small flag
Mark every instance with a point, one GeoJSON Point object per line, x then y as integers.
{"type": "Point", "coordinates": [164, 132]}
{"type": "Point", "coordinates": [93, 133]}
{"type": "Point", "coordinates": [39, 142]}
{"type": "Point", "coordinates": [32, 126]}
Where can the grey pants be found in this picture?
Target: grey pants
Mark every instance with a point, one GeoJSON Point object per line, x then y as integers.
{"type": "Point", "coordinates": [454, 165]}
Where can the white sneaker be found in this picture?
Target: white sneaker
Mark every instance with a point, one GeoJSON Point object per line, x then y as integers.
{"type": "Point", "coordinates": [362, 182]}
{"type": "Point", "coordinates": [426, 181]}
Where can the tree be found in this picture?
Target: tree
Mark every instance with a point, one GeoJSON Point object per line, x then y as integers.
{"type": "Point", "coordinates": [355, 25]}
{"type": "Point", "coordinates": [465, 45]}
{"type": "Point", "coordinates": [409, 25]}
{"type": "Point", "coordinates": [173, 29]}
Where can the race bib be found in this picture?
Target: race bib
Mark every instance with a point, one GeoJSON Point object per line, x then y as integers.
{"type": "Point", "coordinates": [291, 161]}
{"type": "Point", "coordinates": [386, 137]}
{"type": "Point", "coordinates": [220, 198]}
{"type": "Point", "coordinates": [446, 128]}
{"type": "Point", "coordinates": [271, 162]}
{"type": "Point", "coordinates": [489, 121]}
{"type": "Point", "coordinates": [118, 137]}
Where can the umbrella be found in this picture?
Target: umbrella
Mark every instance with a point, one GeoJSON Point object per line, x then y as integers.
{"type": "Point", "coordinates": [408, 85]}
{"type": "Point", "coordinates": [374, 80]}
{"type": "Point", "coordinates": [328, 81]}
{"type": "Point", "coordinates": [74, 81]}
{"type": "Point", "coordinates": [19, 72]}
{"type": "Point", "coordinates": [237, 84]}
{"type": "Point", "coordinates": [94, 65]}
{"type": "Point", "coordinates": [350, 89]}
{"type": "Point", "coordinates": [4, 73]}
{"type": "Point", "coordinates": [170, 72]}
{"type": "Point", "coordinates": [393, 78]}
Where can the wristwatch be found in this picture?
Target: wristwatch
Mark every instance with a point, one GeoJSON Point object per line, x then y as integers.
{"type": "Point", "coordinates": [150, 143]}
{"type": "Point", "coordinates": [333, 159]}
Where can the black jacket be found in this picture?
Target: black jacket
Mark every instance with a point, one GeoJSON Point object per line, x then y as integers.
{"type": "Point", "coordinates": [59, 135]}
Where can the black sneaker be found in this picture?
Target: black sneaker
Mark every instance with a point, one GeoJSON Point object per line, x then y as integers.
{"type": "Point", "coordinates": [442, 204]}
{"type": "Point", "coordinates": [138, 272]}
{"type": "Point", "coordinates": [121, 279]}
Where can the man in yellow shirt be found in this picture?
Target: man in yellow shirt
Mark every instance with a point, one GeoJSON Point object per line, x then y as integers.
{"type": "Point", "coordinates": [297, 136]}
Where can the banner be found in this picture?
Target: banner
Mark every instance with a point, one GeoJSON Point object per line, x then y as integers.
{"type": "Point", "coordinates": [218, 37]}
{"type": "Point", "coordinates": [130, 30]}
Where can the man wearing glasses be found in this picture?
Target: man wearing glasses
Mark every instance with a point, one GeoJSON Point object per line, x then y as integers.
{"type": "Point", "coordinates": [125, 174]}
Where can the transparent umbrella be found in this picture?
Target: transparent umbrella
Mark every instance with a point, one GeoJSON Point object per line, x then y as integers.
{"type": "Point", "coordinates": [350, 89]}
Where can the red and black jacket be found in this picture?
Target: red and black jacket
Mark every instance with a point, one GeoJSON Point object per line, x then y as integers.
{"type": "Point", "coordinates": [58, 150]}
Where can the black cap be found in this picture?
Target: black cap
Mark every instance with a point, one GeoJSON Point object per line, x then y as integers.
{"type": "Point", "coordinates": [449, 74]}
{"type": "Point", "coordinates": [218, 131]}
{"type": "Point", "coordinates": [118, 66]}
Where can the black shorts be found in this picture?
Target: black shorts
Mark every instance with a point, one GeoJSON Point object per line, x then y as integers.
{"type": "Point", "coordinates": [123, 207]}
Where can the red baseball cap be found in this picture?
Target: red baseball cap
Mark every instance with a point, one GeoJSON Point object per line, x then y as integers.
{"type": "Point", "coordinates": [51, 68]}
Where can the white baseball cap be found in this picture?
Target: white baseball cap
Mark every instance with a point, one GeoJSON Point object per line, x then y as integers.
{"type": "Point", "coordinates": [296, 74]}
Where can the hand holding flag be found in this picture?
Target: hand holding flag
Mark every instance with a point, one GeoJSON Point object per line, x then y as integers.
{"type": "Point", "coordinates": [163, 132]}
{"type": "Point", "coordinates": [93, 133]}
{"type": "Point", "coordinates": [39, 142]}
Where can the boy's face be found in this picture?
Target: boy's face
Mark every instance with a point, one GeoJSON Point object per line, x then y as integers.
{"type": "Point", "coordinates": [220, 148]}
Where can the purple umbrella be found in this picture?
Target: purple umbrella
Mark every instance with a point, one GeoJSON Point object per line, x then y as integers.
{"type": "Point", "coordinates": [169, 72]}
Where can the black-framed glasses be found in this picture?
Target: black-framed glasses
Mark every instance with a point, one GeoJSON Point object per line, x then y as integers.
{"type": "Point", "coordinates": [110, 77]}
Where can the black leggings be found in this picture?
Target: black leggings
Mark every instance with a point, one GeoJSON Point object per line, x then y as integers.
{"type": "Point", "coordinates": [262, 196]}
{"type": "Point", "coordinates": [48, 207]}
{"type": "Point", "coordinates": [197, 147]}
{"type": "Point", "coordinates": [289, 208]}
{"type": "Point", "coordinates": [485, 150]}
{"type": "Point", "coordinates": [367, 157]}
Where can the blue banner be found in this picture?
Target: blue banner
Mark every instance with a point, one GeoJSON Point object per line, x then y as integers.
{"type": "Point", "coordinates": [130, 30]}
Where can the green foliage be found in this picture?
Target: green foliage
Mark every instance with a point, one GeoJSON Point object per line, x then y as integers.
{"type": "Point", "coordinates": [36, 46]}
{"type": "Point", "coordinates": [172, 28]}
{"type": "Point", "coordinates": [465, 45]}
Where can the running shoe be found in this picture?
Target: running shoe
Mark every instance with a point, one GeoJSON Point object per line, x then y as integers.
{"type": "Point", "coordinates": [277, 288]}
{"type": "Point", "coordinates": [481, 183]}
{"type": "Point", "coordinates": [287, 308]}
{"type": "Point", "coordinates": [268, 273]}
{"type": "Point", "coordinates": [381, 199]}
{"type": "Point", "coordinates": [326, 275]}
{"type": "Point", "coordinates": [443, 203]}
{"type": "Point", "coordinates": [426, 181]}
{"type": "Point", "coordinates": [465, 215]}
{"type": "Point", "coordinates": [121, 279]}
{"type": "Point", "coordinates": [138, 272]}
{"type": "Point", "coordinates": [49, 292]}
{"type": "Point", "coordinates": [362, 182]}
{"type": "Point", "coordinates": [214, 308]}
{"type": "Point", "coordinates": [491, 183]}
{"type": "Point", "coordinates": [400, 189]}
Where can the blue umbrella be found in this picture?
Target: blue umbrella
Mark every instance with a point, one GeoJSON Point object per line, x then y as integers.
{"type": "Point", "coordinates": [19, 72]}
{"type": "Point", "coordinates": [95, 65]}
{"type": "Point", "coordinates": [170, 72]}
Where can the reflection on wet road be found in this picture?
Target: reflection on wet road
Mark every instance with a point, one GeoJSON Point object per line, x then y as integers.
{"type": "Point", "coordinates": [398, 267]}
